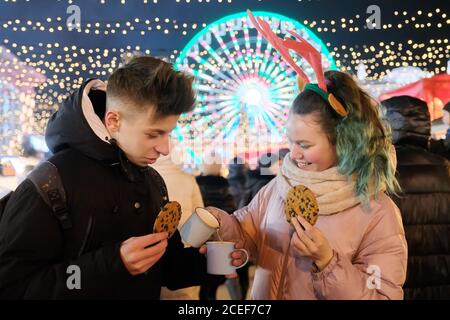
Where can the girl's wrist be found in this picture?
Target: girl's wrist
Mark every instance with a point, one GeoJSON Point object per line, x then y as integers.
{"type": "Point", "coordinates": [322, 263]}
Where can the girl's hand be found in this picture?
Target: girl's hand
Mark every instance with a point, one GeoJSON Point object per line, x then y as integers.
{"type": "Point", "coordinates": [237, 258]}
{"type": "Point", "coordinates": [310, 242]}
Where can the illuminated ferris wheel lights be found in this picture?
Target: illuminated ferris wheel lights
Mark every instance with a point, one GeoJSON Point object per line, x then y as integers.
{"type": "Point", "coordinates": [244, 89]}
{"type": "Point", "coordinates": [252, 97]}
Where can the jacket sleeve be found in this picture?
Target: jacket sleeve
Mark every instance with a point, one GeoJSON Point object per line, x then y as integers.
{"type": "Point", "coordinates": [31, 250]}
{"type": "Point", "coordinates": [182, 267]}
{"type": "Point", "coordinates": [244, 225]}
{"type": "Point", "coordinates": [378, 270]}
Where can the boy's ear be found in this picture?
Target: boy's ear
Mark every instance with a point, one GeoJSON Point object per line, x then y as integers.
{"type": "Point", "coordinates": [112, 121]}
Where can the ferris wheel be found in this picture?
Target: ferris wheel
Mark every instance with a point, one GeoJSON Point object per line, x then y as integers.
{"type": "Point", "coordinates": [244, 88]}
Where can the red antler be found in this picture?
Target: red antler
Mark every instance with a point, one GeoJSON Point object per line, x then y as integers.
{"type": "Point", "coordinates": [310, 54]}
{"type": "Point", "coordinates": [301, 47]}
{"type": "Point", "coordinates": [264, 28]}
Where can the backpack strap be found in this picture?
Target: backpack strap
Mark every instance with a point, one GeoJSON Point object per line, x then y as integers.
{"type": "Point", "coordinates": [47, 181]}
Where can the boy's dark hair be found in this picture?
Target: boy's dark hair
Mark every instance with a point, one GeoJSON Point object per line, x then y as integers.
{"type": "Point", "coordinates": [146, 81]}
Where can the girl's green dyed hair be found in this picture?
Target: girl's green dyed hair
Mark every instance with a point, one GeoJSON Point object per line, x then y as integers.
{"type": "Point", "coordinates": [363, 143]}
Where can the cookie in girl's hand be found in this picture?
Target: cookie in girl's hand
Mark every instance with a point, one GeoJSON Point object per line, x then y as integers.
{"type": "Point", "coordinates": [168, 218]}
{"type": "Point", "coordinates": [301, 201]}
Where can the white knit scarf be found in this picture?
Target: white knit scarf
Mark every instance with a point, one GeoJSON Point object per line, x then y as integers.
{"type": "Point", "coordinates": [334, 192]}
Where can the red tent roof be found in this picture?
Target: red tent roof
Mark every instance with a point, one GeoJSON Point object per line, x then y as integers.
{"type": "Point", "coordinates": [435, 91]}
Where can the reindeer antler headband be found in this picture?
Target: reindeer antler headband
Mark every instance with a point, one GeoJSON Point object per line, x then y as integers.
{"type": "Point", "coordinates": [308, 52]}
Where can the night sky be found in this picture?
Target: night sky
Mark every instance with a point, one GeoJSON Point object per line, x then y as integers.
{"type": "Point", "coordinates": [411, 33]}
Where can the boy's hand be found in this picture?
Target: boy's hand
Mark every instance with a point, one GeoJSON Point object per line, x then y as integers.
{"type": "Point", "coordinates": [140, 253]}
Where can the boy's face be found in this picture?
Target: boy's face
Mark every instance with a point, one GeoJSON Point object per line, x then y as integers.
{"type": "Point", "coordinates": [141, 137]}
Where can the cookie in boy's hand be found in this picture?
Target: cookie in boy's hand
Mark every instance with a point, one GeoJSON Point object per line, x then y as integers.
{"type": "Point", "coordinates": [301, 201]}
{"type": "Point", "coordinates": [168, 218]}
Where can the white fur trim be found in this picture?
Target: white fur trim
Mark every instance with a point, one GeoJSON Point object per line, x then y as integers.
{"type": "Point", "coordinates": [93, 120]}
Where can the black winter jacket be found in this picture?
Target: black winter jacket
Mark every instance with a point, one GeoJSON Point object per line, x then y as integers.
{"type": "Point", "coordinates": [442, 146]}
{"type": "Point", "coordinates": [255, 181]}
{"type": "Point", "coordinates": [237, 180]}
{"type": "Point", "coordinates": [109, 200]}
{"type": "Point", "coordinates": [425, 207]}
{"type": "Point", "coordinates": [425, 200]}
{"type": "Point", "coordinates": [215, 193]}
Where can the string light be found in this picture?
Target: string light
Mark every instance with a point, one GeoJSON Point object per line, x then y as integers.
{"type": "Point", "coordinates": [59, 68]}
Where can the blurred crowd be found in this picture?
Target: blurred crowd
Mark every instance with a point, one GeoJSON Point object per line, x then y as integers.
{"type": "Point", "coordinates": [423, 172]}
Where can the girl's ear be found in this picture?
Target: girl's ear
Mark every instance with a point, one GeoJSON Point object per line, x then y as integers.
{"type": "Point", "coordinates": [112, 121]}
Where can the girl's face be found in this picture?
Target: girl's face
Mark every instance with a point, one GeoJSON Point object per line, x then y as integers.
{"type": "Point", "coordinates": [309, 145]}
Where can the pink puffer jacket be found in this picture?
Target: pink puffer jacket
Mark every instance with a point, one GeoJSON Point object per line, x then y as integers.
{"type": "Point", "coordinates": [370, 250]}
